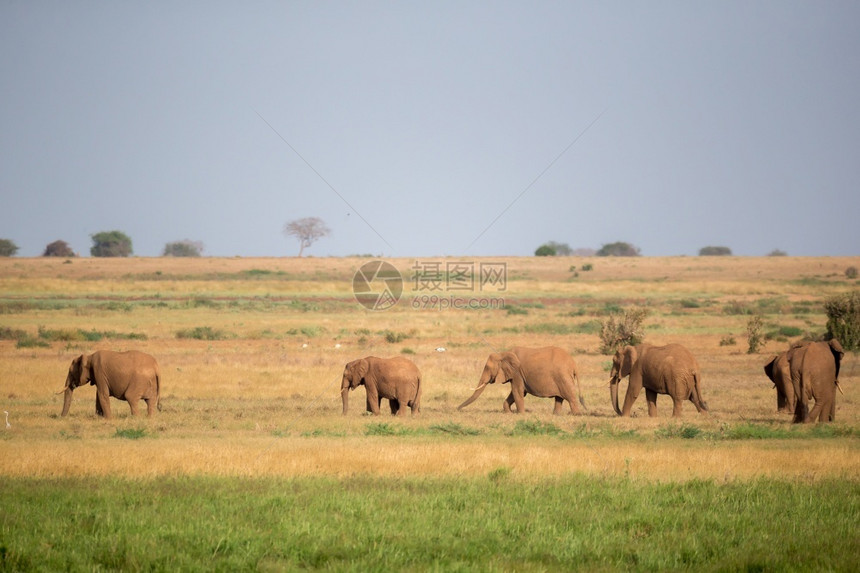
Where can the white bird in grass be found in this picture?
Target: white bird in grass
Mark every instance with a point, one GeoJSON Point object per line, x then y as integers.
{"type": "Point", "coordinates": [8, 425]}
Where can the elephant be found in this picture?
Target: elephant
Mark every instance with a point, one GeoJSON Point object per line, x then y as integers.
{"type": "Point", "coordinates": [778, 370]}
{"type": "Point", "coordinates": [814, 371]}
{"type": "Point", "coordinates": [395, 379]}
{"type": "Point", "coordinates": [547, 372]}
{"type": "Point", "coordinates": [131, 376]}
{"type": "Point", "coordinates": [669, 369]}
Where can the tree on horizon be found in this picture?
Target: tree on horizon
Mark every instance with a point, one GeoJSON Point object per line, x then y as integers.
{"type": "Point", "coordinates": [307, 230]}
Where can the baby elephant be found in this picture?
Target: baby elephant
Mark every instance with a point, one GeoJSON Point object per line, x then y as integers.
{"type": "Point", "coordinates": [395, 379]}
{"type": "Point", "coordinates": [131, 376]}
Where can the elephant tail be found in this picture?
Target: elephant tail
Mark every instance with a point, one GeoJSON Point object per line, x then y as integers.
{"type": "Point", "coordinates": [579, 391]}
{"type": "Point", "coordinates": [158, 388]}
{"type": "Point", "coordinates": [416, 402]}
{"type": "Point", "coordinates": [697, 388]}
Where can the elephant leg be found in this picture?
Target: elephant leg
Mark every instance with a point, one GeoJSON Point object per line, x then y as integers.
{"type": "Point", "coordinates": [630, 398]}
{"type": "Point", "coordinates": [570, 396]}
{"type": "Point", "coordinates": [651, 397]}
{"type": "Point", "coordinates": [506, 405]}
{"type": "Point", "coordinates": [556, 410]}
{"type": "Point", "coordinates": [373, 401]}
{"type": "Point", "coordinates": [150, 406]}
{"type": "Point", "coordinates": [103, 404]}
{"type": "Point", "coordinates": [132, 403]}
{"type": "Point", "coordinates": [816, 413]}
{"type": "Point", "coordinates": [677, 403]}
{"type": "Point", "coordinates": [395, 405]}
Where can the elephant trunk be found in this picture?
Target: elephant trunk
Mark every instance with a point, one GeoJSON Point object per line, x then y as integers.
{"type": "Point", "coordinates": [67, 400]}
{"type": "Point", "coordinates": [474, 396]}
{"type": "Point", "coordinates": [344, 396]}
{"type": "Point", "coordinates": [613, 393]}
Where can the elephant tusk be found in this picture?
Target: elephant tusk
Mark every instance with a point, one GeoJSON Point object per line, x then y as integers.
{"type": "Point", "coordinates": [840, 388]}
{"type": "Point", "coordinates": [479, 386]}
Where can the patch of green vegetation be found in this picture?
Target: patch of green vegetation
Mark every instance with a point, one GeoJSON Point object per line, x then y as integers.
{"type": "Point", "coordinates": [684, 431]}
{"type": "Point", "coordinates": [386, 429]}
{"type": "Point", "coordinates": [394, 337]}
{"type": "Point", "coordinates": [454, 429]}
{"type": "Point", "coordinates": [202, 333]}
{"type": "Point", "coordinates": [535, 428]}
{"type": "Point", "coordinates": [514, 309]}
{"type": "Point", "coordinates": [130, 433]}
{"type": "Point", "coordinates": [358, 523]}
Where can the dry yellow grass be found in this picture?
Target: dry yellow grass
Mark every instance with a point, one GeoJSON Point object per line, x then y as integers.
{"type": "Point", "coordinates": [260, 403]}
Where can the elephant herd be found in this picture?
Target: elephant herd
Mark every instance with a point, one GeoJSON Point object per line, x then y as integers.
{"type": "Point", "coordinates": [806, 371]}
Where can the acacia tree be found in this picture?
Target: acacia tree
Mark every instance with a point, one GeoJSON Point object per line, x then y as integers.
{"type": "Point", "coordinates": [715, 251]}
{"type": "Point", "coordinates": [8, 248]}
{"type": "Point", "coordinates": [183, 248]}
{"type": "Point", "coordinates": [307, 230]}
{"type": "Point", "coordinates": [58, 249]}
{"type": "Point", "coordinates": [618, 249]}
{"type": "Point", "coordinates": [111, 244]}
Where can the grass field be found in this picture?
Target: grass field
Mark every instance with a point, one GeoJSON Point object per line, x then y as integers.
{"type": "Point", "coordinates": [251, 454]}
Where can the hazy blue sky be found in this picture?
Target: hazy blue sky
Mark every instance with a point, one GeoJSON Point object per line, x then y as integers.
{"type": "Point", "coordinates": [717, 123]}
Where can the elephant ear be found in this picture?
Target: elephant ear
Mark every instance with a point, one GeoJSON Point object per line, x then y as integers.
{"type": "Point", "coordinates": [838, 353]}
{"type": "Point", "coordinates": [86, 370]}
{"type": "Point", "coordinates": [358, 370]}
{"type": "Point", "coordinates": [631, 355]}
{"type": "Point", "coordinates": [509, 365]}
{"type": "Point", "coordinates": [768, 368]}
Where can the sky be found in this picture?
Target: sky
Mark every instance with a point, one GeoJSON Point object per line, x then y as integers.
{"type": "Point", "coordinates": [421, 129]}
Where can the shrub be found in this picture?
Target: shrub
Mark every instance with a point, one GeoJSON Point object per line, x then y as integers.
{"type": "Point", "coordinates": [715, 252]}
{"type": "Point", "coordinates": [535, 428]}
{"type": "Point", "coordinates": [618, 331]}
{"type": "Point", "coordinates": [618, 249]}
{"type": "Point", "coordinates": [728, 340]}
{"type": "Point", "coordinates": [111, 244]}
{"type": "Point", "coordinates": [8, 248]}
{"type": "Point", "coordinates": [58, 249]}
{"type": "Point", "coordinates": [201, 333]}
{"type": "Point", "coordinates": [184, 248]}
{"type": "Point", "coordinates": [755, 334]}
{"type": "Point", "coordinates": [545, 251]}
{"type": "Point", "coordinates": [587, 267]}
{"type": "Point", "coordinates": [851, 272]}
{"type": "Point", "coordinates": [843, 319]}
{"type": "Point", "coordinates": [394, 337]}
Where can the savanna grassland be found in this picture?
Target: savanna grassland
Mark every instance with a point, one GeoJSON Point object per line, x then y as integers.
{"type": "Point", "coordinates": [251, 466]}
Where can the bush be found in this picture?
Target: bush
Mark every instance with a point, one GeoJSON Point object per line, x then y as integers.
{"type": "Point", "coordinates": [851, 272]}
{"type": "Point", "coordinates": [58, 249]}
{"type": "Point", "coordinates": [184, 248]}
{"type": "Point", "coordinates": [202, 333]}
{"type": "Point", "coordinates": [618, 249]}
{"type": "Point", "coordinates": [618, 331]}
{"type": "Point", "coordinates": [545, 251]}
{"type": "Point", "coordinates": [715, 252]}
{"type": "Point", "coordinates": [8, 248]}
{"type": "Point", "coordinates": [394, 337]}
{"type": "Point", "coordinates": [843, 319]}
{"type": "Point", "coordinates": [111, 244]}
{"type": "Point", "coordinates": [755, 334]}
